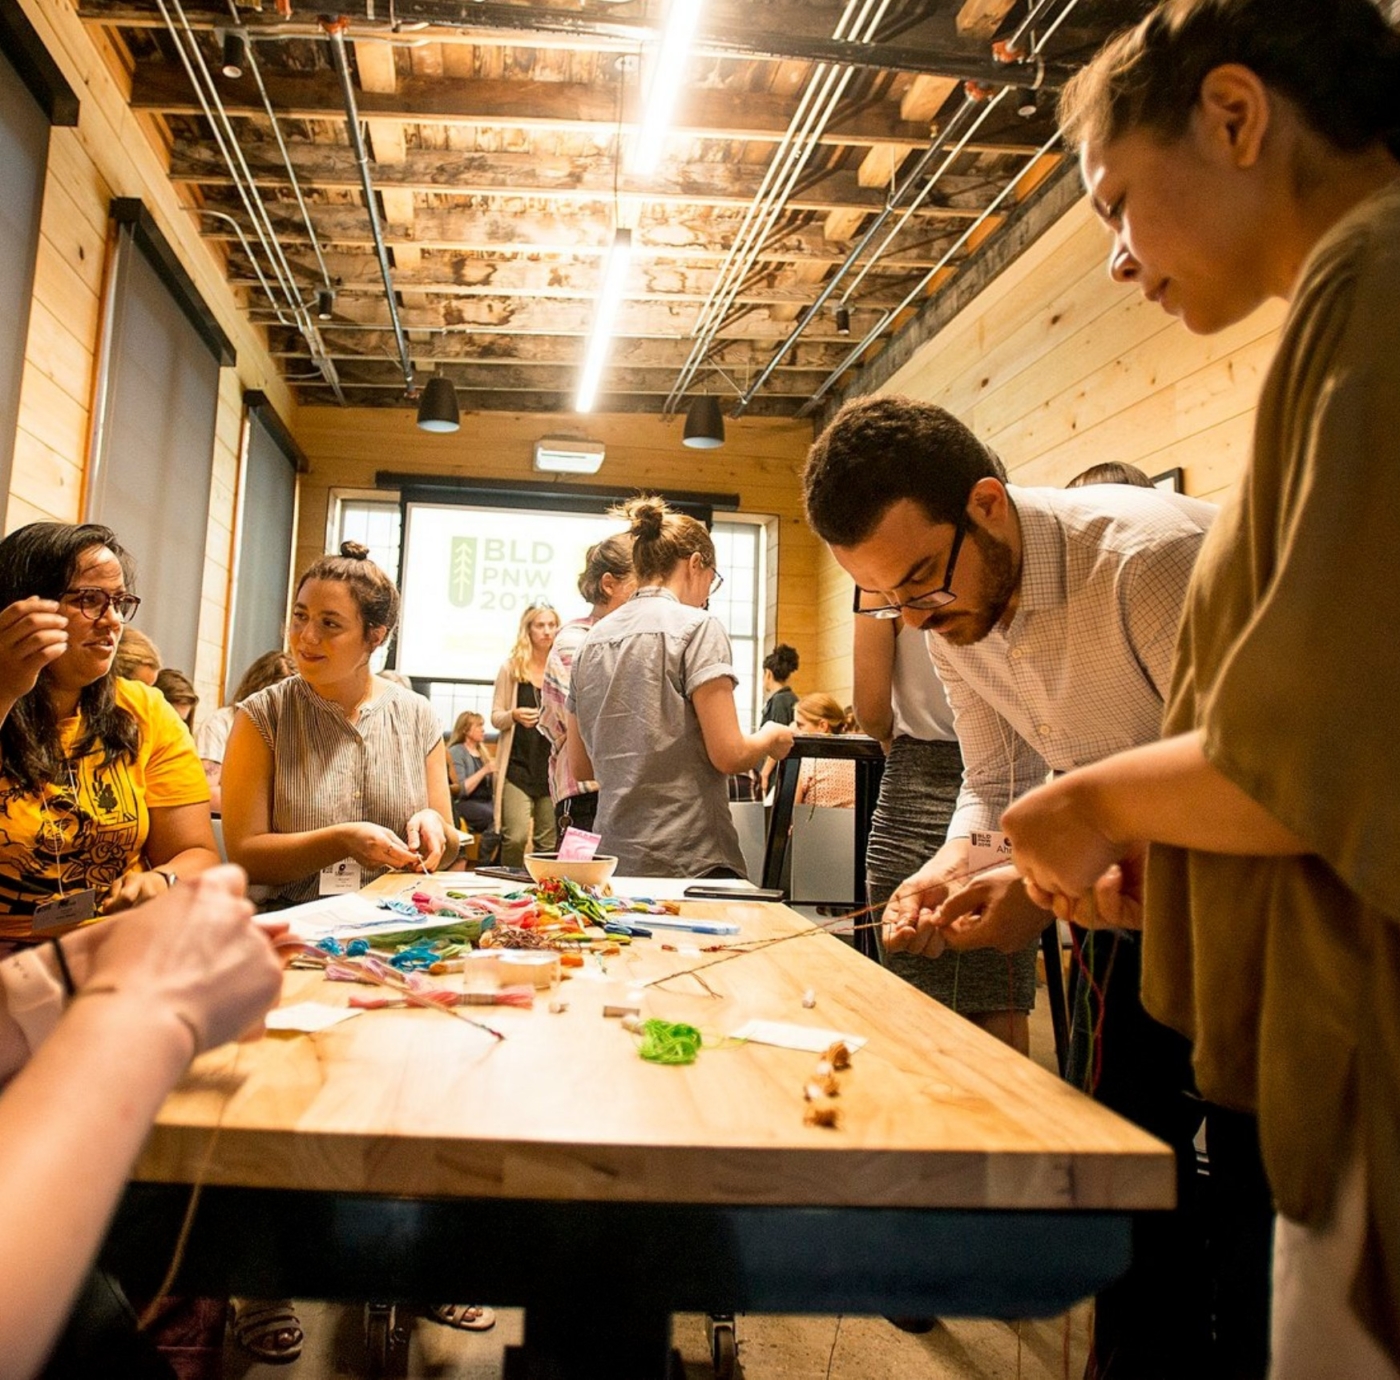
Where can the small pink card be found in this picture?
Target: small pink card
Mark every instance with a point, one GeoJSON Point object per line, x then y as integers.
{"type": "Point", "coordinates": [578, 845]}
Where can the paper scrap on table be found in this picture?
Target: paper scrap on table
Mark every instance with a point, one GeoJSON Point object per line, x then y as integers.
{"type": "Point", "coordinates": [309, 1016]}
{"type": "Point", "coordinates": [787, 1036]}
{"type": "Point", "coordinates": [354, 917]}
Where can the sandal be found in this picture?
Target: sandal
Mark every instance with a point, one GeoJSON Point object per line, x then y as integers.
{"type": "Point", "coordinates": [468, 1317]}
{"type": "Point", "coordinates": [267, 1329]}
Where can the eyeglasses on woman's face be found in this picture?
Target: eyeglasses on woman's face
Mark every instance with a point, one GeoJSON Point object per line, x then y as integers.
{"type": "Point", "coordinates": [94, 603]}
{"type": "Point", "coordinates": [921, 603]}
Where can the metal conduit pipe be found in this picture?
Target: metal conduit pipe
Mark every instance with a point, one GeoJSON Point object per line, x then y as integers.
{"type": "Point", "coordinates": [810, 120]}
{"type": "Point", "coordinates": [873, 334]}
{"type": "Point", "coordinates": [256, 68]}
{"type": "Point", "coordinates": [820, 97]}
{"type": "Point", "coordinates": [223, 132]}
{"type": "Point", "coordinates": [335, 32]}
{"type": "Point", "coordinates": [959, 119]}
{"type": "Point", "coordinates": [829, 288]}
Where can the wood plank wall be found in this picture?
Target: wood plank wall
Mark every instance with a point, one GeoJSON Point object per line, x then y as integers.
{"type": "Point", "coordinates": [108, 155]}
{"type": "Point", "coordinates": [1059, 368]}
{"type": "Point", "coordinates": [759, 461]}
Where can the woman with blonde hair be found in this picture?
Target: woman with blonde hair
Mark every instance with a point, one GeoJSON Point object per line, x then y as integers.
{"type": "Point", "coordinates": [211, 738]}
{"type": "Point", "coordinates": [138, 658]}
{"type": "Point", "coordinates": [524, 813]}
{"type": "Point", "coordinates": [651, 713]}
{"type": "Point", "coordinates": [472, 774]}
{"type": "Point", "coordinates": [824, 781]}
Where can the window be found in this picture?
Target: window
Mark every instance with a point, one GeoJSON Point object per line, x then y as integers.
{"type": "Point", "coordinates": [24, 152]}
{"type": "Point", "coordinates": [745, 549]}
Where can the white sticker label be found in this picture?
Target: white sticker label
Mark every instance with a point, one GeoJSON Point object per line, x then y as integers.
{"type": "Point", "coordinates": [340, 877]}
{"type": "Point", "coordinates": [72, 909]}
{"type": "Point", "coordinates": [987, 848]}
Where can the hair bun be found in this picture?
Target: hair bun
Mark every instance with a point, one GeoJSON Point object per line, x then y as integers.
{"type": "Point", "coordinates": [648, 516]}
{"type": "Point", "coordinates": [354, 551]}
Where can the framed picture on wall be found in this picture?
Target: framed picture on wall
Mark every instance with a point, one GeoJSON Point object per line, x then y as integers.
{"type": "Point", "coordinates": [1172, 481]}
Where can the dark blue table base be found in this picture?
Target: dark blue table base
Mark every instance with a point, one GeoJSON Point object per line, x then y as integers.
{"type": "Point", "coordinates": [600, 1281]}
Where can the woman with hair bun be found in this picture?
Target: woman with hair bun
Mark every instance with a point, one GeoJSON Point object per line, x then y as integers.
{"type": "Point", "coordinates": [1237, 151]}
{"type": "Point", "coordinates": [607, 582]}
{"type": "Point", "coordinates": [331, 777]}
{"type": "Point", "coordinates": [824, 781]}
{"type": "Point", "coordinates": [651, 709]}
{"type": "Point", "coordinates": [334, 774]}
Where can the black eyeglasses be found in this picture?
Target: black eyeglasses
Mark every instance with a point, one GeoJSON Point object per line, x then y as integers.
{"type": "Point", "coordinates": [716, 582]}
{"type": "Point", "coordinates": [934, 599]}
{"type": "Point", "coordinates": [94, 603]}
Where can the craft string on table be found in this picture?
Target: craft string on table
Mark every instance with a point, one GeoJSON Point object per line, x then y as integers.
{"type": "Point", "coordinates": [378, 975]}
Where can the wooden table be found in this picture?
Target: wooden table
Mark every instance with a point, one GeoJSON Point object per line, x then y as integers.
{"type": "Point", "coordinates": [405, 1155]}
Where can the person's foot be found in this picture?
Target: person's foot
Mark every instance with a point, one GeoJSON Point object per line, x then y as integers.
{"type": "Point", "coordinates": [469, 1317]}
{"type": "Point", "coordinates": [268, 1329]}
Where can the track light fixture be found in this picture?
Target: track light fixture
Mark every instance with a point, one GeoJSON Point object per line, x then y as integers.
{"type": "Point", "coordinates": [234, 55]}
{"type": "Point", "coordinates": [1027, 103]}
{"type": "Point", "coordinates": [438, 409]}
{"type": "Point", "coordinates": [325, 303]}
{"type": "Point", "coordinates": [843, 321]}
{"type": "Point", "coordinates": [704, 424]}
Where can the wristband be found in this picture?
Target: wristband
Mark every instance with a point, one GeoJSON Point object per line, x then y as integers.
{"type": "Point", "coordinates": [34, 996]}
{"type": "Point", "coordinates": [65, 973]}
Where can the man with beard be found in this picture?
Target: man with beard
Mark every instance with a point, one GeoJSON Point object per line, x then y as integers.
{"type": "Point", "coordinates": [1055, 616]}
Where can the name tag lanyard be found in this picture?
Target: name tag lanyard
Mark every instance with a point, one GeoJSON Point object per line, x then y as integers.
{"type": "Point", "coordinates": [73, 907]}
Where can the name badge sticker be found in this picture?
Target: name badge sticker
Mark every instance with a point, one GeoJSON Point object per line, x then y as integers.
{"type": "Point", "coordinates": [340, 878]}
{"type": "Point", "coordinates": [66, 911]}
{"type": "Point", "coordinates": [988, 848]}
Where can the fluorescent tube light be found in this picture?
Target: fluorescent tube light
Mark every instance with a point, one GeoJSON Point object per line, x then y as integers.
{"type": "Point", "coordinates": [667, 67]}
{"type": "Point", "coordinates": [605, 313]}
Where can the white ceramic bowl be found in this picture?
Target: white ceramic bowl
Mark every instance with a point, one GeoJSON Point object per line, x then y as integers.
{"type": "Point", "coordinates": [546, 866]}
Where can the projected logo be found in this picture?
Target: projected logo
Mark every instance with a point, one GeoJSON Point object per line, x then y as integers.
{"type": "Point", "coordinates": [461, 579]}
{"type": "Point", "coordinates": [490, 573]}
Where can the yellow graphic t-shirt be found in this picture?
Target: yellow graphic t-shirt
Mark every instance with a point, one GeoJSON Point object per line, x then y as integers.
{"type": "Point", "coordinates": [90, 828]}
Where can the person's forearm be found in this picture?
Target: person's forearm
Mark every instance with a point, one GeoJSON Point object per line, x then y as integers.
{"type": "Point", "coordinates": [271, 859]}
{"type": "Point", "coordinates": [190, 862]}
{"type": "Point", "coordinates": [1169, 792]}
{"type": "Point", "coordinates": [97, 1081]}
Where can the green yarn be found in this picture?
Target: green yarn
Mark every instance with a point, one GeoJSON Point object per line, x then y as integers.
{"type": "Point", "coordinates": [666, 1043]}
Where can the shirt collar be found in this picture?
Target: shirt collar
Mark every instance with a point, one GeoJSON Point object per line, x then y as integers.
{"type": "Point", "coordinates": [1042, 551]}
{"type": "Point", "coordinates": [655, 592]}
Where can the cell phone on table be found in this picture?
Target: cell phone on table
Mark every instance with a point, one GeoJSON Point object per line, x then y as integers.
{"type": "Point", "coordinates": [708, 891]}
{"type": "Point", "coordinates": [510, 874]}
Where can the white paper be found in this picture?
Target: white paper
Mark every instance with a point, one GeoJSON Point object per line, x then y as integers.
{"type": "Point", "coordinates": [787, 1036]}
{"type": "Point", "coordinates": [353, 917]}
{"type": "Point", "coordinates": [309, 1016]}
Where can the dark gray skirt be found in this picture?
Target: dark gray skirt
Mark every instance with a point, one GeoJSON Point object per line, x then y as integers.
{"type": "Point", "coordinates": [917, 797]}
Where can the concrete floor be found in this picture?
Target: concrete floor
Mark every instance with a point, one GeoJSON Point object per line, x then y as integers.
{"type": "Point", "coordinates": [770, 1347]}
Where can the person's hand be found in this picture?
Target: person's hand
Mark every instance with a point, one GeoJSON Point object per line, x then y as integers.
{"type": "Point", "coordinates": [1059, 847]}
{"type": "Point", "coordinates": [526, 718]}
{"type": "Point", "coordinates": [910, 916]}
{"type": "Point", "coordinates": [488, 768]}
{"type": "Point", "coordinates": [373, 846]}
{"type": "Point", "coordinates": [194, 955]}
{"type": "Point", "coordinates": [32, 634]}
{"type": "Point", "coordinates": [427, 838]}
{"type": "Point", "coordinates": [991, 911]}
{"type": "Point", "coordinates": [776, 740]}
{"type": "Point", "coordinates": [133, 890]}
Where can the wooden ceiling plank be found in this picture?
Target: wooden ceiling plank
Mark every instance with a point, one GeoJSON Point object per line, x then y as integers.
{"type": "Point", "coordinates": [982, 18]}
{"type": "Point", "coordinates": [925, 97]}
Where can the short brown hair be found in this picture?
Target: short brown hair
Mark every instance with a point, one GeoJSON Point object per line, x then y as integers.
{"type": "Point", "coordinates": [611, 556]}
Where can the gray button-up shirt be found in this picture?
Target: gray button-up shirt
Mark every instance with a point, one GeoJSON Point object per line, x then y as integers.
{"type": "Point", "coordinates": [663, 807]}
{"type": "Point", "coordinates": [1083, 668]}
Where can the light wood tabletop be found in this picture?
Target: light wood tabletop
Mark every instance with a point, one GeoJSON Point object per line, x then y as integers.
{"type": "Point", "coordinates": [934, 1113]}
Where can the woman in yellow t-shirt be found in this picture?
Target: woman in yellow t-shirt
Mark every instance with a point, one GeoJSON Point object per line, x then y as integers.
{"type": "Point", "coordinates": [103, 802]}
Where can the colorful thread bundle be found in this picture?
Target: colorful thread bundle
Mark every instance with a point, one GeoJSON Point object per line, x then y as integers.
{"type": "Point", "coordinates": [667, 1042]}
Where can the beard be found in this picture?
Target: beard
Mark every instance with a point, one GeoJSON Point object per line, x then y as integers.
{"type": "Point", "coordinates": [1000, 575]}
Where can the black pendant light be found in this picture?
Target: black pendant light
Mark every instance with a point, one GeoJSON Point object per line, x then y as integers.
{"type": "Point", "coordinates": [704, 424]}
{"type": "Point", "coordinates": [438, 409]}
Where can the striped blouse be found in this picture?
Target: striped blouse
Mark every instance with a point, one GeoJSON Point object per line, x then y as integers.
{"type": "Point", "coordinates": [327, 771]}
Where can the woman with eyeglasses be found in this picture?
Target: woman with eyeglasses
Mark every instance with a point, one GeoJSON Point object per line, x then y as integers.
{"type": "Point", "coordinates": [651, 709]}
{"type": "Point", "coordinates": [103, 803]}
{"type": "Point", "coordinates": [524, 810]}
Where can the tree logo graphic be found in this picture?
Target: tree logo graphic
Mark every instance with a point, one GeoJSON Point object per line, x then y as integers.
{"type": "Point", "coordinates": [461, 576]}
